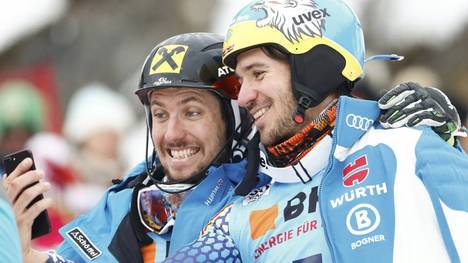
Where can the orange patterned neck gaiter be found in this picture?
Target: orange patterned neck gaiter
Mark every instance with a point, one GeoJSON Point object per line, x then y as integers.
{"type": "Point", "coordinates": [293, 149]}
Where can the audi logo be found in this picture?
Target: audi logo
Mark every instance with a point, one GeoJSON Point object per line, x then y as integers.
{"type": "Point", "coordinates": [358, 122]}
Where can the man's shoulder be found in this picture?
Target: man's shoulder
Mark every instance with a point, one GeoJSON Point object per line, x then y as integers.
{"type": "Point", "coordinates": [219, 223]}
{"type": "Point", "coordinates": [136, 170]}
{"type": "Point", "coordinates": [2, 193]}
{"type": "Point", "coordinates": [354, 118]}
{"type": "Point", "coordinates": [232, 171]}
{"type": "Point", "coordinates": [108, 213]}
{"type": "Point", "coordinates": [228, 166]}
{"type": "Point", "coordinates": [431, 145]}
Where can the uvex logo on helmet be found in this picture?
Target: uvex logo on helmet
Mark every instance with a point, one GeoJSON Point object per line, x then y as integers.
{"type": "Point", "coordinates": [293, 17]}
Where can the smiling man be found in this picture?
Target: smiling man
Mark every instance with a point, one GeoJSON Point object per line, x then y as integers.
{"type": "Point", "coordinates": [342, 188]}
{"type": "Point", "coordinates": [186, 149]}
{"type": "Point", "coordinates": [164, 203]}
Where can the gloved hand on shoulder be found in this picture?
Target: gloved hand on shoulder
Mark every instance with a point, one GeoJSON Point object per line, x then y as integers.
{"type": "Point", "coordinates": [410, 104]}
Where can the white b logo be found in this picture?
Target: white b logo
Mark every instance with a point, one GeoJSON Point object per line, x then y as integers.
{"type": "Point", "coordinates": [362, 219]}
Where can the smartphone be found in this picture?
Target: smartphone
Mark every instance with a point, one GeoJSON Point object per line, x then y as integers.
{"type": "Point", "coordinates": [41, 225]}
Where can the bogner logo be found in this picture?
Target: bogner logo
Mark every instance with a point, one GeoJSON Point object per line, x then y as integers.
{"type": "Point", "coordinates": [83, 242]}
{"type": "Point", "coordinates": [293, 17]}
{"type": "Point", "coordinates": [362, 219]}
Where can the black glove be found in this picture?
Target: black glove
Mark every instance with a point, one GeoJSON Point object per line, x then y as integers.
{"type": "Point", "coordinates": [410, 104]}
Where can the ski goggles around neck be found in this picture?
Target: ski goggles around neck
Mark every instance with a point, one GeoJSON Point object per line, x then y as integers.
{"type": "Point", "coordinates": [154, 210]}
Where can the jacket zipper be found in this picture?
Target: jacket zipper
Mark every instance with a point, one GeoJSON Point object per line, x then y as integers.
{"type": "Point", "coordinates": [325, 175]}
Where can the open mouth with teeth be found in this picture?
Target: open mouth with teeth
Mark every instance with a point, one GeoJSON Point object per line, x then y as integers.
{"type": "Point", "coordinates": [180, 154]}
{"type": "Point", "coordinates": [259, 113]}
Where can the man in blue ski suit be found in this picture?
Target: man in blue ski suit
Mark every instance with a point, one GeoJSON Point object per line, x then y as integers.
{"type": "Point", "coordinates": [186, 92]}
{"type": "Point", "coordinates": [143, 218]}
{"type": "Point", "coordinates": [342, 188]}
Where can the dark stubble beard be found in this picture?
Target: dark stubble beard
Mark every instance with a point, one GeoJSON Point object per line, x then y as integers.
{"type": "Point", "coordinates": [170, 178]}
{"type": "Point", "coordinates": [285, 127]}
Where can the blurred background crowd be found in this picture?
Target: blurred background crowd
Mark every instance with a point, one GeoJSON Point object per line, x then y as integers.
{"type": "Point", "coordinates": [68, 70]}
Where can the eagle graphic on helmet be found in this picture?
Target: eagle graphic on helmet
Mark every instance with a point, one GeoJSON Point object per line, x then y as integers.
{"type": "Point", "coordinates": [292, 17]}
{"type": "Point", "coordinates": [323, 40]}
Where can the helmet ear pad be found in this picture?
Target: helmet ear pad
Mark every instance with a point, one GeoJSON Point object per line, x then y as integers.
{"type": "Point", "coordinates": [316, 74]}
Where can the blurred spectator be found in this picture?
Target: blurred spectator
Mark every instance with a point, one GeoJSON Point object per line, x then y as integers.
{"type": "Point", "coordinates": [132, 143]}
{"type": "Point", "coordinates": [375, 82]}
{"type": "Point", "coordinates": [95, 122]}
{"type": "Point", "coordinates": [56, 163]}
{"type": "Point", "coordinates": [21, 115]}
{"type": "Point", "coordinates": [53, 155]}
{"type": "Point", "coordinates": [420, 74]}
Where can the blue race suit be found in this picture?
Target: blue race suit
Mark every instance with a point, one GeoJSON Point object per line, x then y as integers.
{"type": "Point", "coordinates": [10, 246]}
{"type": "Point", "coordinates": [363, 195]}
{"type": "Point", "coordinates": [107, 232]}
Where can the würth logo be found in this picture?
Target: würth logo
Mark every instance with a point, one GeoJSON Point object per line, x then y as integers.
{"type": "Point", "coordinates": [355, 172]}
{"type": "Point", "coordinates": [83, 242]}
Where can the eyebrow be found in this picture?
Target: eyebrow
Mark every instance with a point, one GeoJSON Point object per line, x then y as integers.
{"type": "Point", "coordinates": [254, 65]}
{"type": "Point", "coordinates": [155, 103]}
{"type": "Point", "coordinates": [184, 101]}
{"type": "Point", "coordinates": [190, 99]}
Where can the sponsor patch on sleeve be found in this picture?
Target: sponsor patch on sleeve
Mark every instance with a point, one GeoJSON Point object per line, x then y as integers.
{"type": "Point", "coordinates": [84, 243]}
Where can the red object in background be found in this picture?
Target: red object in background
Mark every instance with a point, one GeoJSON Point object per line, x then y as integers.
{"type": "Point", "coordinates": [42, 77]}
{"type": "Point", "coordinates": [61, 176]}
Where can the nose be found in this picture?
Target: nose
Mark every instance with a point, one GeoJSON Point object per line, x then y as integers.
{"type": "Point", "coordinates": [247, 94]}
{"type": "Point", "coordinates": [175, 130]}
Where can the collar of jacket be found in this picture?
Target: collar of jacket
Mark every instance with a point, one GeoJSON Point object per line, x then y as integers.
{"type": "Point", "coordinates": [130, 235]}
{"type": "Point", "coordinates": [353, 119]}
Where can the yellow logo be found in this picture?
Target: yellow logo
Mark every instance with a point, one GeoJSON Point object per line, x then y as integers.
{"type": "Point", "coordinates": [168, 59]}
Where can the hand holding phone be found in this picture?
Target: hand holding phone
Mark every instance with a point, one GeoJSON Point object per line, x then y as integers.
{"type": "Point", "coordinates": [41, 224]}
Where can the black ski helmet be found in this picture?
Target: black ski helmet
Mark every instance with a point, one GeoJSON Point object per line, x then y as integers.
{"type": "Point", "coordinates": [193, 60]}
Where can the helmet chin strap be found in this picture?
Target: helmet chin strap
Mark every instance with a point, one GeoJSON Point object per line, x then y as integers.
{"type": "Point", "coordinates": [306, 98]}
{"type": "Point", "coordinates": [253, 163]}
{"type": "Point", "coordinates": [153, 155]}
{"type": "Point", "coordinates": [303, 104]}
